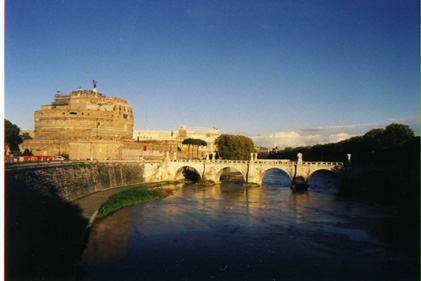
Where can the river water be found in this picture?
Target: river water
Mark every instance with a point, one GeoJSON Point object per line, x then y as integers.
{"type": "Point", "coordinates": [228, 232]}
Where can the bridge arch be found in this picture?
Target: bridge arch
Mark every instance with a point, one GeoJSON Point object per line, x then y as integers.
{"type": "Point", "coordinates": [324, 170]}
{"type": "Point", "coordinates": [286, 170]}
{"type": "Point", "coordinates": [327, 176]}
{"type": "Point", "coordinates": [221, 171]}
{"type": "Point", "coordinates": [276, 169]}
{"type": "Point", "coordinates": [178, 174]}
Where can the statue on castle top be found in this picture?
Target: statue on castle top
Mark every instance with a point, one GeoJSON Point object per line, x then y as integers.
{"type": "Point", "coordinates": [94, 82]}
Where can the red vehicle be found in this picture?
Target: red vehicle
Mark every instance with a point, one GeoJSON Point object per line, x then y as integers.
{"type": "Point", "coordinates": [37, 158]}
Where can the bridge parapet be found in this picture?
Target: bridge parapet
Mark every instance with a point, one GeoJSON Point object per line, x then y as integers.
{"type": "Point", "coordinates": [185, 161]}
{"type": "Point", "coordinates": [329, 164]}
{"type": "Point", "coordinates": [273, 162]}
{"type": "Point", "coordinates": [231, 162]}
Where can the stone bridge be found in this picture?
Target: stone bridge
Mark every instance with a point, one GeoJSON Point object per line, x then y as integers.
{"type": "Point", "coordinates": [72, 179]}
{"type": "Point", "coordinates": [252, 171]}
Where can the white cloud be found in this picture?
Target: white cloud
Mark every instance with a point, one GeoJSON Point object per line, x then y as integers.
{"type": "Point", "coordinates": [361, 129]}
{"type": "Point", "coordinates": [330, 134]}
{"type": "Point", "coordinates": [294, 139]}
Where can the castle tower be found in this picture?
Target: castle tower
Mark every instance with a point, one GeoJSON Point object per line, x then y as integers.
{"type": "Point", "coordinates": [182, 131]}
{"type": "Point", "coordinates": [84, 114]}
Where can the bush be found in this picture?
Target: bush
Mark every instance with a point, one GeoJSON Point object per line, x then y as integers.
{"type": "Point", "coordinates": [126, 198]}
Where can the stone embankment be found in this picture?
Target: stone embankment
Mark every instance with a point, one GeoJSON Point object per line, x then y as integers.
{"type": "Point", "coordinates": [38, 213]}
{"type": "Point", "coordinates": [71, 180]}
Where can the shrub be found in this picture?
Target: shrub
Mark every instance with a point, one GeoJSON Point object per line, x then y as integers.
{"type": "Point", "coordinates": [126, 198]}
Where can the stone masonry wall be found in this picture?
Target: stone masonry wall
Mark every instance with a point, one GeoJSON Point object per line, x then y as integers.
{"type": "Point", "coordinates": [74, 180]}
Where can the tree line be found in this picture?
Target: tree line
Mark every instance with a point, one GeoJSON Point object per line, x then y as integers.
{"type": "Point", "coordinates": [395, 143]}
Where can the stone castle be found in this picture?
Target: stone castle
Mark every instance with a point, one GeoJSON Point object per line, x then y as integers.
{"type": "Point", "coordinates": [84, 125]}
{"type": "Point", "coordinates": [88, 125]}
{"type": "Point", "coordinates": [84, 113]}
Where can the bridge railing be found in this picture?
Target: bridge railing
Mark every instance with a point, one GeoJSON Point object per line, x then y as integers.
{"type": "Point", "coordinates": [324, 163]}
{"type": "Point", "coordinates": [262, 162]}
{"type": "Point", "coordinates": [231, 161]}
{"type": "Point", "coordinates": [186, 161]}
{"type": "Point", "coordinates": [274, 162]}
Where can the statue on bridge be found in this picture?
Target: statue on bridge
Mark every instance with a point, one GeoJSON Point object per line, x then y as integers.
{"type": "Point", "coordinates": [300, 157]}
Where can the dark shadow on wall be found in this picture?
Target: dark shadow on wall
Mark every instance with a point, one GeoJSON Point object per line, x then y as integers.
{"type": "Point", "coordinates": [42, 234]}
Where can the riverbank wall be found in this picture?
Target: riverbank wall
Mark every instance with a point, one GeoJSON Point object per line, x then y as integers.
{"type": "Point", "coordinates": [75, 179]}
{"type": "Point", "coordinates": [42, 230]}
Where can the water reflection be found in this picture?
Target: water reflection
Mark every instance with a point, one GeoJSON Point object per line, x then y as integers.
{"type": "Point", "coordinates": [228, 232]}
{"type": "Point", "coordinates": [103, 248]}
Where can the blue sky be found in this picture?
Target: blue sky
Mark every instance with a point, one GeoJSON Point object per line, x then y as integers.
{"type": "Point", "coordinates": [271, 70]}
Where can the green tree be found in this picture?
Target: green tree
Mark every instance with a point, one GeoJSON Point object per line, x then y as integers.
{"type": "Point", "coordinates": [26, 136]}
{"type": "Point", "coordinates": [374, 138]}
{"type": "Point", "coordinates": [197, 142]}
{"type": "Point", "coordinates": [374, 134]}
{"type": "Point", "coordinates": [234, 147]}
{"type": "Point", "coordinates": [397, 134]}
{"type": "Point", "coordinates": [11, 137]}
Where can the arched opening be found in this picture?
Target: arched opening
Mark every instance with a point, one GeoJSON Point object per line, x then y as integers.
{"type": "Point", "coordinates": [323, 179]}
{"type": "Point", "coordinates": [231, 175]}
{"type": "Point", "coordinates": [187, 173]}
{"type": "Point", "coordinates": [276, 177]}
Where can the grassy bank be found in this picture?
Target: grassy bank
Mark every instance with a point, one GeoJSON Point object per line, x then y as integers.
{"type": "Point", "coordinates": [137, 194]}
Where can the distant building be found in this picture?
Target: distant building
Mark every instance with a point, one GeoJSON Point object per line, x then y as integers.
{"type": "Point", "coordinates": [261, 151]}
{"type": "Point", "coordinates": [171, 141]}
{"type": "Point", "coordinates": [84, 125]}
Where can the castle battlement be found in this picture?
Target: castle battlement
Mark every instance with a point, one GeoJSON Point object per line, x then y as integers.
{"type": "Point", "coordinates": [84, 113]}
